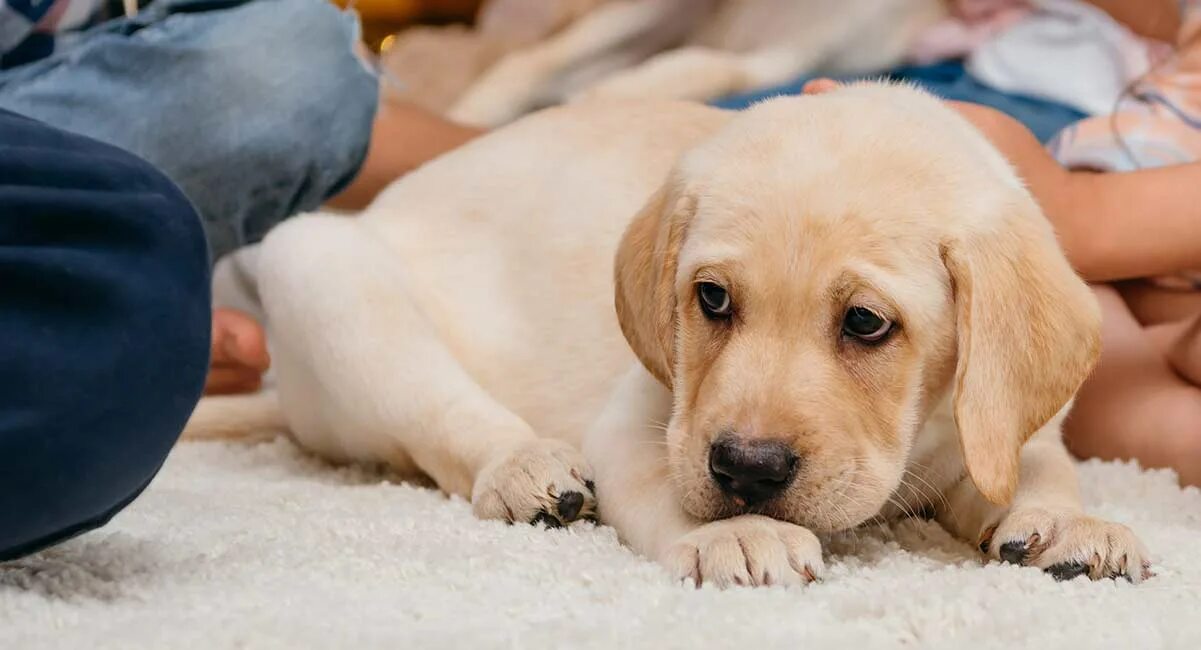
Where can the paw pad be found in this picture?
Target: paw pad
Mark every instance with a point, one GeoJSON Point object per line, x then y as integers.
{"type": "Point", "coordinates": [541, 482]}
{"type": "Point", "coordinates": [546, 521]}
{"type": "Point", "coordinates": [1067, 570]}
{"type": "Point", "coordinates": [570, 504]}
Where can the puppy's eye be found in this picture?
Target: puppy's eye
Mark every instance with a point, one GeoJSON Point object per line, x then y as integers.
{"type": "Point", "coordinates": [866, 325]}
{"type": "Point", "coordinates": [715, 300]}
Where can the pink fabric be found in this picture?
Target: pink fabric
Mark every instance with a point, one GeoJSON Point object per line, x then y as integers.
{"type": "Point", "coordinates": [970, 23]}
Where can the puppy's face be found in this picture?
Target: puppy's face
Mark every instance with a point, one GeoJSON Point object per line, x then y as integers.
{"type": "Point", "coordinates": [814, 279]}
{"type": "Point", "coordinates": [809, 341]}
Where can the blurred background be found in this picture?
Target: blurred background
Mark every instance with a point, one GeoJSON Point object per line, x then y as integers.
{"type": "Point", "coordinates": [1048, 63]}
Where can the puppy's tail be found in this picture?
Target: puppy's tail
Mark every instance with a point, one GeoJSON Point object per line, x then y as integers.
{"type": "Point", "coordinates": [237, 417]}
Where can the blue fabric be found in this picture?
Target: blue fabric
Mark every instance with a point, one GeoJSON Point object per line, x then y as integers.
{"type": "Point", "coordinates": [257, 109]}
{"type": "Point", "coordinates": [949, 80]}
{"type": "Point", "coordinates": [104, 329]}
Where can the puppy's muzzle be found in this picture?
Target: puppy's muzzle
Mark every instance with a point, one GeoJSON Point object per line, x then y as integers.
{"type": "Point", "coordinates": [751, 471]}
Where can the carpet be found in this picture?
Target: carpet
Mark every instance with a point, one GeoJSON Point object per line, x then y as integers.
{"type": "Point", "coordinates": [265, 547]}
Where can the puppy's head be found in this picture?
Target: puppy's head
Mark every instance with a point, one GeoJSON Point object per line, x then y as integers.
{"type": "Point", "coordinates": [813, 279]}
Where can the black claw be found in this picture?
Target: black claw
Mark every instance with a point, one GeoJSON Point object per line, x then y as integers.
{"type": "Point", "coordinates": [545, 519]}
{"type": "Point", "coordinates": [1067, 570]}
{"type": "Point", "coordinates": [570, 504]}
{"type": "Point", "coordinates": [1014, 552]}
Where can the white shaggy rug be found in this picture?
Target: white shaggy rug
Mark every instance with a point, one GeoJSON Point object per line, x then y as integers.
{"type": "Point", "coordinates": [263, 547]}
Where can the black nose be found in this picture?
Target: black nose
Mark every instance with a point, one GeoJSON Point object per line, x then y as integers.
{"type": "Point", "coordinates": [751, 470]}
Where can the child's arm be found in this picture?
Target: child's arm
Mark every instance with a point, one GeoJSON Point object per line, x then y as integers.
{"type": "Point", "coordinates": [1112, 225]}
{"type": "Point", "coordinates": [1138, 224]}
{"type": "Point", "coordinates": [1159, 19]}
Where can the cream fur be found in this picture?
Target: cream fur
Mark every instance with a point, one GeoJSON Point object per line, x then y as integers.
{"type": "Point", "coordinates": [463, 329]}
{"type": "Point", "coordinates": [694, 49]}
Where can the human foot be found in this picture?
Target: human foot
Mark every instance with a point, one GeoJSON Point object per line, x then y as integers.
{"type": "Point", "coordinates": [239, 354]}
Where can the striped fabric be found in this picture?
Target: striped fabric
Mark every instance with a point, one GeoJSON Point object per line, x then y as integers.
{"type": "Point", "coordinates": [1157, 123]}
{"type": "Point", "coordinates": [31, 29]}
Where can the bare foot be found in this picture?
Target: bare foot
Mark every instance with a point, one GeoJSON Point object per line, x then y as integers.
{"type": "Point", "coordinates": [239, 354]}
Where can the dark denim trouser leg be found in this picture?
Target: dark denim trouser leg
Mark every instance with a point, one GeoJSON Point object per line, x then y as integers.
{"type": "Point", "coordinates": [104, 329]}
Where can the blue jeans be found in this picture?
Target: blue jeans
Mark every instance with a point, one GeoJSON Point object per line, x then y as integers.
{"type": "Point", "coordinates": [257, 109]}
{"type": "Point", "coordinates": [104, 329]}
{"type": "Point", "coordinates": [949, 80]}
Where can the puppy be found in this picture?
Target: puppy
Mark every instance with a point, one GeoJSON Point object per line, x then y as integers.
{"type": "Point", "coordinates": [695, 49]}
{"type": "Point", "coordinates": [829, 309]}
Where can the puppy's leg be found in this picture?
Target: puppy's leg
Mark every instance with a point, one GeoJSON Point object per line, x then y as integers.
{"type": "Point", "coordinates": [627, 448]}
{"type": "Point", "coordinates": [1045, 526]}
{"type": "Point", "coordinates": [363, 376]}
{"type": "Point", "coordinates": [515, 84]}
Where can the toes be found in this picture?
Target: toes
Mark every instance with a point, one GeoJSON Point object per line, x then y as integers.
{"type": "Point", "coordinates": [683, 561]}
{"type": "Point", "coordinates": [805, 555]}
{"type": "Point", "coordinates": [569, 506]}
{"type": "Point", "coordinates": [747, 551]}
{"type": "Point", "coordinates": [1067, 570]}
{"type": "Point", "coordinates": [1067, 545]}
{"type": "Point", "coordinates": [768, 562]}
{"type": "Point", "coordinates": [546, 521]}
{"type": "Point", "coordinates": [1013, 552]}
{"type": "Point", "coordinates": [567, 510]}
{"type": "Point", "coordinates": [489, 505]}
{"type": "Point", "coordinates": [541, 483]}
{"type": "Point", "coordinates": [723, 563]}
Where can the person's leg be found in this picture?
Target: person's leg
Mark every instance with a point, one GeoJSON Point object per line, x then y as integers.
{"type": "Point", "coordinates": [104, 333]}
{"type": "Point", "coordinates": [1135, 405]}
{"type": "Point", "coordinates": [948, 80]}
{"type": "Point", "coordinates": [1180, 344]}
{"type": "Point", "coordinates": [403, 138]}
{"type": "Point", "coordinates": [1154, 305]}
{"type": "Point", "coordinates": [258, 109]}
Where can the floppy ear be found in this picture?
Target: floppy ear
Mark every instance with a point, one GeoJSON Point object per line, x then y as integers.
{"type": "Point", "coordinates": [1029, 332]}
{"type": "Point", "coordinates": [644, 278]}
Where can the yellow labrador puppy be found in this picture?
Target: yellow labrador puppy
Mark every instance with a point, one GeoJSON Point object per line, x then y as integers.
{"type": "Point", "coordinates": [840, 308]}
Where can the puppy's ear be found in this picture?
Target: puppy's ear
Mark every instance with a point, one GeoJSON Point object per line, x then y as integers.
{"type": "Point", "coordinates": [1029, 332]}
{"type": "Point", "coordinates": [644, 274]}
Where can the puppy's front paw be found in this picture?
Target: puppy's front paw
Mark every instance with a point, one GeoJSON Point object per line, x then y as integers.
{"type": "Point", "coordinates": [748, 550]}
{"type": "Point", "coordinates": [544, 482]}
{"type": "Point", "coordinates": [1067, 544]}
